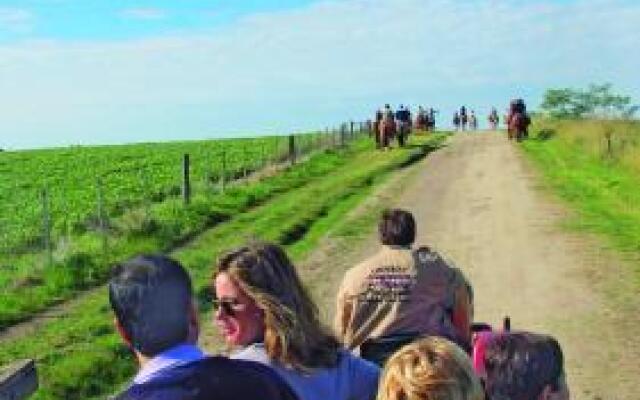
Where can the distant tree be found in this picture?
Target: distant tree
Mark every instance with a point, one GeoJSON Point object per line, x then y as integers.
{"type": "Point", "coordinates": [596, 101]}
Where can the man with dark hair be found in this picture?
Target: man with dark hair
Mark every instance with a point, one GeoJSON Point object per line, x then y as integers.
{"type": "Point", "coordinates": [524, 366]}
{"type": "Point", "coordinates": [402, 293]}
{"type": "Point", "coordinates": [403, 116]}
{"type": "Point", "coordinates": [397, 228]}
{"type": "Point", "coordinates": [152, 299]}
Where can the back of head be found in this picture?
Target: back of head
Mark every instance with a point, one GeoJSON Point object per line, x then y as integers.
{"type": "Point", "coordinates": [397, 228]}
{"type": "Point", "coordinates": [431, 368]}
{"type": "Point", "coordinates": [519, 365]}
{"type": "Point", "coordinates": [151, 296]}
{"type": "Point", "coordinates": [293, 332]}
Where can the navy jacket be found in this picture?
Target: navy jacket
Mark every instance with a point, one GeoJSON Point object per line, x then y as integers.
{"type": "Point", "coordinates": [213, 378]}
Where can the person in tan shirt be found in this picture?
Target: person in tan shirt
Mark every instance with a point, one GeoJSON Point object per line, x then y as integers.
{"type": "Point", "coordinates": [402, 291]}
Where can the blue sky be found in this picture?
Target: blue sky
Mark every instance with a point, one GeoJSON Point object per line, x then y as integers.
{"type": "Point", "coordinates": [88, 71]}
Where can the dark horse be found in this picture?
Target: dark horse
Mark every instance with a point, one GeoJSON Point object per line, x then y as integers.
{"type": "Point", "coordinates": [387, 131]}
{"type": "Point", "coordinates": [518, 121]}
{"type": "Point", "coordinates": [518, 126]}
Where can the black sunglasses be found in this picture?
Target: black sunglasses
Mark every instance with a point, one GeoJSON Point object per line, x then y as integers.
{"type": "Point", "coordinates": [228, 306]}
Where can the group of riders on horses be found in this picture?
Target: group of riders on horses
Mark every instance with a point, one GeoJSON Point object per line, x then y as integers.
{"type": "Point", "coordinates": [462, 119]}
{"type": "Point", "coordinates": [517, 120]}
{"type": "Point", "coordinates": [388, 124]}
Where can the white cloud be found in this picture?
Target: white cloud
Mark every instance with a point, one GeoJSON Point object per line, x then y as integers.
{"type": "Point", "coordinates": [15, 20]}
{"type": "Point", "coordinates": [313, 66]}
{"type": "Point", "coordinates": [144, 13]}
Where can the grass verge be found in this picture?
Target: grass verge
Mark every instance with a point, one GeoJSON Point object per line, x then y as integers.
{"type": "Point", "coordinates": [604, 193]}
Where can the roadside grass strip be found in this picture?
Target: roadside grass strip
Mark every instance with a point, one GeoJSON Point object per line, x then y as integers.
{"type": "Point", "coordinates": [79, 356]}
{"type": "Point", "coordinates": [604, 193]}
{"type": "Point", "coordinates": [29, 287]}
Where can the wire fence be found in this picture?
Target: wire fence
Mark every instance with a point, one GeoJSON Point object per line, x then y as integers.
{"type": "Point", "coordinates": [50, 197]}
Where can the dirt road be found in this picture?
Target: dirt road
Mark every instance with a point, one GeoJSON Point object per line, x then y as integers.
{"type": "Point", "coordinates": [479, 202]}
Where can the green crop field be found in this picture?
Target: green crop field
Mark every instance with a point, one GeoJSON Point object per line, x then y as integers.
{"type": "Point", "coordinates": [79, 356]}
{"type": "Point", "coordinates": [138, 199]}
{"type": "Point", "coordinates": [125, 175]}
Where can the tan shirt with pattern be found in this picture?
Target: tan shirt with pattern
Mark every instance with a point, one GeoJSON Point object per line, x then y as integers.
{"type": "Point", "coordinates": [394, 292]}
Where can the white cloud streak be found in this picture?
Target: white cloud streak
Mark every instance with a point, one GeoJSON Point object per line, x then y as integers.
{"type": "Point", "coordinates": [303, 68]}
{"type": "Point", "coordinates": [144, 13]}
{"type": "Point", "coordinates": [15, 20]}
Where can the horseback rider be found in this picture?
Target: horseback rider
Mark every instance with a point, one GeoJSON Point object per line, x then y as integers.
{"type": "Point", "coordinates": [421, 122]}
{"type": "Point", "coordinates": [518, 120]}
{"type": "Point", "coordinates": [376, 126]}
{"type": "Point", "coordinates": [432, 119]}
{"type": "Point", "coordinates": [387, 126]}
{"type": "Point", "coordinates": [494, 119]}
{"type": "Point", "coordinates": [403, 116]}
{"type": "Point", "coordinates": [473, 121]}
{"type": "Point", "coordinates": [463, 117]}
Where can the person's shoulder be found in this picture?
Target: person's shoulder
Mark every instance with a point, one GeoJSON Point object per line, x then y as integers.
{"type": "Point", "coordinates": [353, 362]}
{"type": "Point", "coordinates": [213, 377]}
{"type": "Point", "coordinates": [362, 374]}
{"type": "Point", "coordinates": [245, 379]}
{"type": "Point", "coordinates": [255, 352]}
{"type": "Point", "coordinates": [365, 266]}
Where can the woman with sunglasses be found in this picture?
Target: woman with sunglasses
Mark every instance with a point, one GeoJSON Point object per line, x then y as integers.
{"type": "Point", "coordinates": [263, 309]}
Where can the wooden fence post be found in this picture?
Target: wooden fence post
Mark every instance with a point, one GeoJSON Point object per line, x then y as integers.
{"type": "Point", "coordinates": [102, 226]}
{"type": "Point", "coordinates": [292, 149]}
{"type": "Point", "coordinates": [46, 226]}
{"type": "Point", "coordinates": [264, 155]}
{"type": "Point", "coordinates": [245, 169]}
{"type": "Point", "coordinates": [223, 171]}
{"type": "Point", "coordinates": [186, 183]}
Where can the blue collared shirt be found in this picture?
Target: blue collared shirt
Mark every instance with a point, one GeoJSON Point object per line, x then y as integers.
{"type": "Point", "coordinates": [175, 356]}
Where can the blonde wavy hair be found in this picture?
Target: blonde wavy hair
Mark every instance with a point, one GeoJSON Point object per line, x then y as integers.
{"type": "Point", "coordinates": [293, 333]}
{"type": "Point", "coordinates": [432, 368]}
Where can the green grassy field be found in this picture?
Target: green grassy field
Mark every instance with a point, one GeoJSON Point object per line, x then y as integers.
{"type": "Point", "coordinates": [595, 167]}
{"type": "Point", "coordinates": [80, 259]}
{"type": "Point", "coordinates": [127, 176]}
{"type": "Point", "coordinates": [79, 356]}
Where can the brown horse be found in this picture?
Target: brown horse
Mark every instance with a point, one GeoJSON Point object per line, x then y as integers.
{"type": "Point", "coordinates": [517, 126]}
{"type": "Point", "coordinates": [387, 131]}
{"type": "Point", "coordinates": [421, 123]}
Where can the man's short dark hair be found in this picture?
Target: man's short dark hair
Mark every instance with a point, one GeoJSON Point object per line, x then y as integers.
{"type": "Point", "coordinates": [520, 365]}
{"type": "Point", "coordinates": [150, 296]}
{"type": "Point", "coordinates": [397, 228]}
